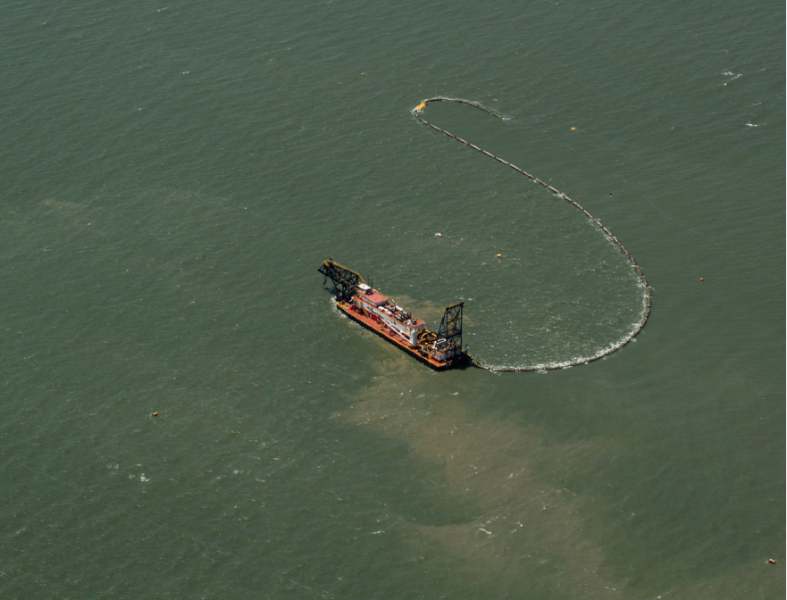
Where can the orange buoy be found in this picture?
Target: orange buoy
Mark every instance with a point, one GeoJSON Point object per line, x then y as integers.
{"type": "Point", "coordinates": [772, 561]}
{"type": "Point", "coordinates": [362, 74]}
{"type": "Point", "coordinates": [155, 414]}
{"type": "Point", "coordinates": [702, 279]}
{"type": "Point", "coordinates": [499, 256]}
{"type": "Point", "coordinates": [573, 129]}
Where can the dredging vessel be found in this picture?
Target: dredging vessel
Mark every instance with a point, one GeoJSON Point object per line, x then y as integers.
{"type": "Point", "coordinates": [365, 305]}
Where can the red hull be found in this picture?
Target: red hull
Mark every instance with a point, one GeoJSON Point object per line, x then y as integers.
{"type": "Point", "coordinates": [380, 329]}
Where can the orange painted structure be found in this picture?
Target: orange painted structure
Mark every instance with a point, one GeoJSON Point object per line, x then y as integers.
{"type": "Point", "coordinates": [374, 311]}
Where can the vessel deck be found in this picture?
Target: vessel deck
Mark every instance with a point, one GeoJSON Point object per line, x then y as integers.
{"type": "Point", "coordinates": [378, 328]}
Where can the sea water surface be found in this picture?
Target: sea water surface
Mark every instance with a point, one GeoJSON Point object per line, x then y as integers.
{"type": "Point", "coordinates": [173, 173]}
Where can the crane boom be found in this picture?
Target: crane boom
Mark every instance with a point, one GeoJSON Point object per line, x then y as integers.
{"type": "Point", "coordinates": [344, 280]}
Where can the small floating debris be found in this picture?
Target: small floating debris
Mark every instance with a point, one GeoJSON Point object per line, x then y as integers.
{"type": "Point", "coordinates": [438, 235]}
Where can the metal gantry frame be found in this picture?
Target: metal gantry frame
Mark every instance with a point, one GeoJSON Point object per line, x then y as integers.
{"type": "Point", "coordinates": [344, 280]}
{"type": "Point", "coordinates": [451, 329]}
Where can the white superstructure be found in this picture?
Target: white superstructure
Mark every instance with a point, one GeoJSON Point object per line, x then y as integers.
{"type": "Point", "coordinates": [385, 310]}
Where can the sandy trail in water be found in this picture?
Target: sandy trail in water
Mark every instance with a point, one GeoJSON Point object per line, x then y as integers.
{"type": "Point", "coordinates": [528, 530]}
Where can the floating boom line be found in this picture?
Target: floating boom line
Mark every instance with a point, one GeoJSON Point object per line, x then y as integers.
{"type": "Point", "coordinates": [418, 114]}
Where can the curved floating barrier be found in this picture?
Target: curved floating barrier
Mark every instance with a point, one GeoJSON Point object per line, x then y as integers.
{"type": "Point", "coordinates": [417, 113]}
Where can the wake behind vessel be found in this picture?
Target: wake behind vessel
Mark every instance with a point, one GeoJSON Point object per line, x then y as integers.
{"type": "Point", "coordinates": [363, 304]}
